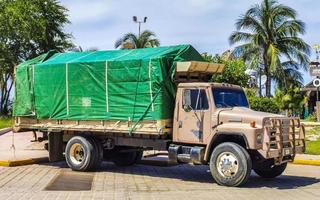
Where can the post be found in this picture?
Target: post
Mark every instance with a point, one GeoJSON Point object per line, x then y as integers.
{"type": "Point", "coordinates": [139, 29]}
{"type": "Point", "coordinates": [55, 146]}
{"type": "Point", "coordinates": [318, 110]}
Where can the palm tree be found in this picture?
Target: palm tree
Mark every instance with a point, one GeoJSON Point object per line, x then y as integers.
{"type": "Point", "coordinates": [269, 34]}
{"type": "Point", "coordinates": [144, 40]}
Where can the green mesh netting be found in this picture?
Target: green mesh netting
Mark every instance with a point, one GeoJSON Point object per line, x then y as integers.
{"type": "Point", "coordinates": [117, 85]}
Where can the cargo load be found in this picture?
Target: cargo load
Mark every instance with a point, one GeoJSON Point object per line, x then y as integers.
{"type": "Point", "coordinates": [129, 85]}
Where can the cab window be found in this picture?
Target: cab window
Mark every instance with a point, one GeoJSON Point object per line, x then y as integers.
{"type": "Point", "coordinates": [199, 100]}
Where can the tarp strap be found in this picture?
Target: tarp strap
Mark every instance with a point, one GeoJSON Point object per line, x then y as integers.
{"type": "Point", "coordinates": [123, 55]}
{"type": "Point", "coordinates": [135, 96]}
{"type": "Point", "coordinates": [107, 95]}
{"type": "Point", "coordinates": [32, 96]}
{"type": "Point", "coordinates": [167, 78]}
{"type": "Point", "coordinates": [150, 85]}
{"type": "Point", "coordinates": [145, 112]}
{"type": "Point", "coordinates": [67, 89]}
{"type": "Point", "coordinates": [67, 78]}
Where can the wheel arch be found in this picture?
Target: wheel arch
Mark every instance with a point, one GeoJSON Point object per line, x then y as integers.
{"type": "Point", "coordinates": [220, 137]}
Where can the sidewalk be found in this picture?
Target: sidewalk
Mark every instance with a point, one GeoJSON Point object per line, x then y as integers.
{"type": "Point", "coordinates": [16, 149]}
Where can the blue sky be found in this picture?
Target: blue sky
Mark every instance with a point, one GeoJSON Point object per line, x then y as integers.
{"type": "Point", "coordinates": [206, 24]}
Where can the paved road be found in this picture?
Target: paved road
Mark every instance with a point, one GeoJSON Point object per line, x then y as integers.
{"type": "Point", "coordinates": [151, 182]}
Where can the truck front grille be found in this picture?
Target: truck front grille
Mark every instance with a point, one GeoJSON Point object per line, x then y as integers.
{"type": "Point", "coordinates": [282, 135]}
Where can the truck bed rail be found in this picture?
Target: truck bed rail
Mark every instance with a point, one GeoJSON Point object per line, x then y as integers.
{"type": "Point", "coordinates": [156, 127]}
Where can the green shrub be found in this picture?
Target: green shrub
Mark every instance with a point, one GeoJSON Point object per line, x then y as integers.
{"type": "Point", "coordinates": [5, 122]}
{"type": "Point", "coordinates": [312, 117]}
{"type": "Point", "coordinates": [263, 104]}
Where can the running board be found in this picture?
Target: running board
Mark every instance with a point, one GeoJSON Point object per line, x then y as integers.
{"type": "Point", "coordinates": [186, 154]}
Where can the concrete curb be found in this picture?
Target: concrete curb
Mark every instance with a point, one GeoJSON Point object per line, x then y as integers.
{"type": "Point", "coordinates": [5, 130]}
{"type": "Point", "coordinates": [306, 162]}
{"type": "Point", "coordinates": [13, 163]}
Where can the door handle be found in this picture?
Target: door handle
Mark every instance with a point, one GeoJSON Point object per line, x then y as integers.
{"type": "Point", "coordinates": [180, 124]}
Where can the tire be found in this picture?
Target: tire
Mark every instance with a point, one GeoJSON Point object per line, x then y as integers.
{"type": "Point", "coordinates": [80, 153]}
{"type": "Point", "coordinates": [98, 153]}
{"type": "Point", "coordinates": [123, 159]}
{"type": "Point", "coordinates": [139, 156]}
{"type": "Point", "coordinates": [268, 170]}
{"type": "Point", "coordinates": [238, 173]}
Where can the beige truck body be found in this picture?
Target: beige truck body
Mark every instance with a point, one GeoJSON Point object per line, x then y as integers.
{"type": "Point", "coordinates": [192, 134]}
{"type": "Point", "coordinates": [280, 135]}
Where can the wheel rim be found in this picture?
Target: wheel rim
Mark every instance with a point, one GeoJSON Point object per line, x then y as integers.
{"type": "Point", "coordinates": [76, 153]}
{"type": "Point", "coordinates": [227, 165]}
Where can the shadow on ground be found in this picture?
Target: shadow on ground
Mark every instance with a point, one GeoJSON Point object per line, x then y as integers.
{"type": "Point", "coordinates": [281, 182]}
{"type": "Point", "coordinates": [200, 174]}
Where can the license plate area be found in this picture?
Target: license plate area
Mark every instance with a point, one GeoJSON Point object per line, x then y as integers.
{"type": "Point", "coordinates": [287, 151]}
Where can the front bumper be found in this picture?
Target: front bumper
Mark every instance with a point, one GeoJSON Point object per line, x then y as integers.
{"type": "Point", "coordinates": [283, 139]}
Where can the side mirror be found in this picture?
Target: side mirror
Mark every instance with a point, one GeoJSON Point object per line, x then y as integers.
{"type": "Point", "coordinates": [186, 101]}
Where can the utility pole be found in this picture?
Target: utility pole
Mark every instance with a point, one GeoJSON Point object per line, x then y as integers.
{"type": "Point", "coordinates": [135, 19]}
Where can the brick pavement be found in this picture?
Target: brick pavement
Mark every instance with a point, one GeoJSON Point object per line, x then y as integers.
{"type": "Point", "coordinates": [152, 182]}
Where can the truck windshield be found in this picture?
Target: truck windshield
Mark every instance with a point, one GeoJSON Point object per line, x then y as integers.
{"type": "Point", "coordinates": [226, 97]}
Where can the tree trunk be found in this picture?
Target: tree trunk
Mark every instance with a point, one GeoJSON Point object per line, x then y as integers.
{"type": "Point", "coordinates": [5, 94]}
{"type": "Point", "coordinates": [268, 85]}
{"type": "Point", "coordinates": [268, 74]}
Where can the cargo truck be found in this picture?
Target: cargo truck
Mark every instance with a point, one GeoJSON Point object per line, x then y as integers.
{"type": "Point", "coordinates": [116, 104]}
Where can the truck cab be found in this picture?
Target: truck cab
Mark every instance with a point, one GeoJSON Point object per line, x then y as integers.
{"type": "Point", "coordinates": [215, 119]}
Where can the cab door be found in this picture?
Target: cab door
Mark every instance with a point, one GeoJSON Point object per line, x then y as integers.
{"type": "Point", "coordinates": [193, 116]}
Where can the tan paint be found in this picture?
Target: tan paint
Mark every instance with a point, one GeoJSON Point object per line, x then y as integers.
{"type": "Point", "coordinates": [216, 121]}
{"type": "Point", "coordinates": [186, 126]}
{"type": "Point", "coordinates": [192, 126]}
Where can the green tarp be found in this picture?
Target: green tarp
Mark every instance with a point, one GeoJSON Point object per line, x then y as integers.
{"type": "Point", "coordinates": [100, 85]}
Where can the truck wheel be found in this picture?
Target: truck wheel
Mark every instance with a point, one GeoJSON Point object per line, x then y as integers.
{"type": "Point", "coordinates": [127, 158]}
{"type": "Point", "coordinates": [98, 155]}
{"type": "Point", "coordinates": [80, 153]}
{"type": "Point", "coordinates": [230, 164]}
{"type": "Point", "coordinates": [269, 170]}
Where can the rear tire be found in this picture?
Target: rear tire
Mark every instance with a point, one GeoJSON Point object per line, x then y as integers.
{"type": "Point", "coordinates": [267, 170]}
{"type": "Point", "coordinates": [80, 153]}
{"type": "Point", "coordinates": [126, 158]}
{"type": "Point", "coordinates": [98, 153]}
{"type": "Point", "coordinates": [230, 164]}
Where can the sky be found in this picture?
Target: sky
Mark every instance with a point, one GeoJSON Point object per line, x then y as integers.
{"type": "Point", "coordinates": [205, 24]}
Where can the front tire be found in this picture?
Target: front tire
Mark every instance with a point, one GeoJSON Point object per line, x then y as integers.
{"type": "Point", "coordinates": [268, 170]}
{"type": "Point", "coordinates": [230, 164]}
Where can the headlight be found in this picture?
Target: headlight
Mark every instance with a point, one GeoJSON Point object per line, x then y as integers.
{"type": "Point", "coordinates": [259, 138]}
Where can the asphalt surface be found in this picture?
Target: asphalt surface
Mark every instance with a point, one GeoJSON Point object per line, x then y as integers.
{"type": "Point", "coordinates": [56, 181]}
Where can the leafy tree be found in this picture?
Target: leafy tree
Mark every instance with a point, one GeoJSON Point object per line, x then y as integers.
{"type": "Point", "coordinates": [290, 100]}
{"type": "Point", "coordinates": [269, 32]}
{"type": "Point", "coordinates": [212, 59]}
{"type": "Point", "coordinates": [144, 40]}
{"type": "Point", "coordinates": [234, 70]}
{"type": "Point", "coordinates": [261, 103]}
{"type": "Point", "coordinates": [27, 29]}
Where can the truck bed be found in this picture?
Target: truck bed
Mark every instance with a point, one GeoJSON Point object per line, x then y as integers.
{"type": "Point", "coordinates": [145, 127]}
